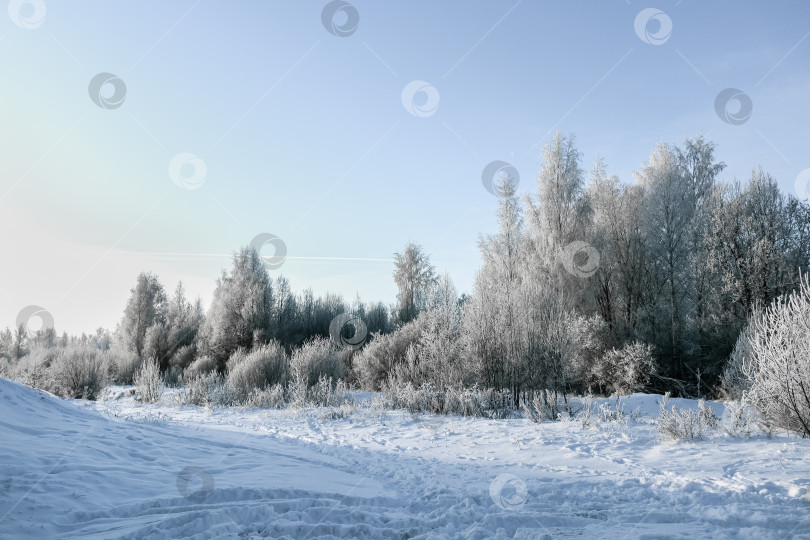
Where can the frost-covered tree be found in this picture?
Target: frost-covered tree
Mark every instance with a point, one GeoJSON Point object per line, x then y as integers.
{"type": "Point", "coordinates": [757, 242]}
{"type": "Point", "coordinates": [435, 354]}
{"type": "Point", "coordinates": [501, 352]}
{"type": "Point", "coordinates": [616, 232]}
{"type": "Point", "coordinates": [184, 320]}
{"type": "Point", "coordinates": [145, 308]}
{"type": "Point", "coordinates": [668, 209]}
{"type": "Point", "coordinates": [241, 313]}
{"type": "Point", "coordinates": [284, 309]}
{"type": "Point", "coordinates": [6, 340]}
{"type": "Point", "coordinates": [413, 274]}
{"type": "Point", "coordinates": [700, 170]}
{"type": "Point", "coordinates": [557, 215]}
{"type": "Point", "coordinates": [378, 318]}
{"type": "Point", "coordinates": [626, 370]}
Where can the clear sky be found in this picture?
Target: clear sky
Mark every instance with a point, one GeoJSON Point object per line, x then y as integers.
{"type": "Point", "coordinates": [305, 134]}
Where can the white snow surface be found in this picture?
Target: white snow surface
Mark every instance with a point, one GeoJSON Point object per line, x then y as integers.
{"type": "Point", "coordinates": [120, 469]}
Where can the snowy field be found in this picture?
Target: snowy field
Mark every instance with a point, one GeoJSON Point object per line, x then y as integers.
{"type": "Point", "coordinates": [118, 469]}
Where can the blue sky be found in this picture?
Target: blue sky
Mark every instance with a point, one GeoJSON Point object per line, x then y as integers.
{"type": "Point", "coordinates": [304, 134]}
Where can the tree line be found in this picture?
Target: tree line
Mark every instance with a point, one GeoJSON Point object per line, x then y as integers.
{"type": "Point", "coordinates": [589, 284]}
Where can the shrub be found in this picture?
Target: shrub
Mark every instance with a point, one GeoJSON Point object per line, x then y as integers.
{"type": "Point", "coordinates": [270, 397]}
{"type": "Point", "coordinates": [626, 370]}
{"type": "Point", "coordinates": [264, 365]}
{"type": "Point", "coordinates": [344, 410]}
{"type": "Point", "coordinates": [201, 366]}
{"type": "Point", "coordinates": [122, 365]}
{"type": "Point", "coordinates": [684, 424]}
{"type": "Point", "coordinates": [297, 391]}
{"type": "Point", "coordinates": [328, 394]}
{"type": "Point", "coordinates": [208, 389]}
{"type": "Point", "coordinates": [774, 362]}
{"type": "Point", "coordinates": [34, 369]}
{"type": "Point", "coordinates": [741, 418]}
{"type": "Point", "coordinates": [315, 358]}
{"type": "Point", "coordinates": [546, 405]}
{"type": "Point", "coordinates": [148, 382]}
{"type": "Point", "coordinates": [467, 402]}
{"type": "Point", "coordinates": [537, 410]}
{"type": "Point", "coordinates": [376, 360]}
{"type": "Point", "coordinates": [77, 371]}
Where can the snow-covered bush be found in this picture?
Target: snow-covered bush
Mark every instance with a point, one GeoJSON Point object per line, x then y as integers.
{"type": "Point", "coordinates": [148, 382]}
{"type": "Point", "coordinates": [616, 413]}
{"type": "Point", "coordinates": [375, 361]}
{"type": "Point", "coordinates": [411, 370]}
{"type": "Point", "coordinates": [327, 393]}
{"type": "Point", "coordinates": [265, 365]}
{"type": "Point", "coordinates": [297, 391]}
{"type": "Point", "coordinates": [742, 419]}
{"type": "Point", "coordinates": [313, 359]}
{"type": "Point", "coordinates": [271, 397]}
{"type": "Point", "coordinates": [475, 401]}
{"type": "Point", "coordinates": [684, 424]}
{"type": "Point", "coordinates": [414, 399]}
{"type": "Point", "coordinates": [586, 412]}
{"type": "Point", "coordinates": [606, 414]}
{"type": "Point", "coordinates": [536, 410]}
{"type": "Point", "coordinates": [122, 365]}
{"type": "Point", "coordinates": [78, 372]}
{"type": "Point", "coordinates": [208, 389]}
{"type": "Point", "coordinates": [344, 410]}
{"type": "Point", "coordinates": [201, 366]}
{"type": "Point", "coordinates": [463, 401]}
{"type": "Point", "coordinates": [772, 366]}
{"type": "Point", "coordinates": [75, 371]}
{"type": "Point", "coordinates": [544, 405]}
{"type": "Point", "coordinates": [626, 370]}
{"type": "Point", "coordinates": [34, 369]}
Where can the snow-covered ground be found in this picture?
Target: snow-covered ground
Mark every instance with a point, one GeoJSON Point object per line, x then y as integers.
{"type": "Point", "coordinates": [119, 469]}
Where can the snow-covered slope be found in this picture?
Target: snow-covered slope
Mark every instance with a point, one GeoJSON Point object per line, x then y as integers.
{"type": "Point", "coordinates": [69, 472]}
{"type": "Point", "coordinates": [120, 469]}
